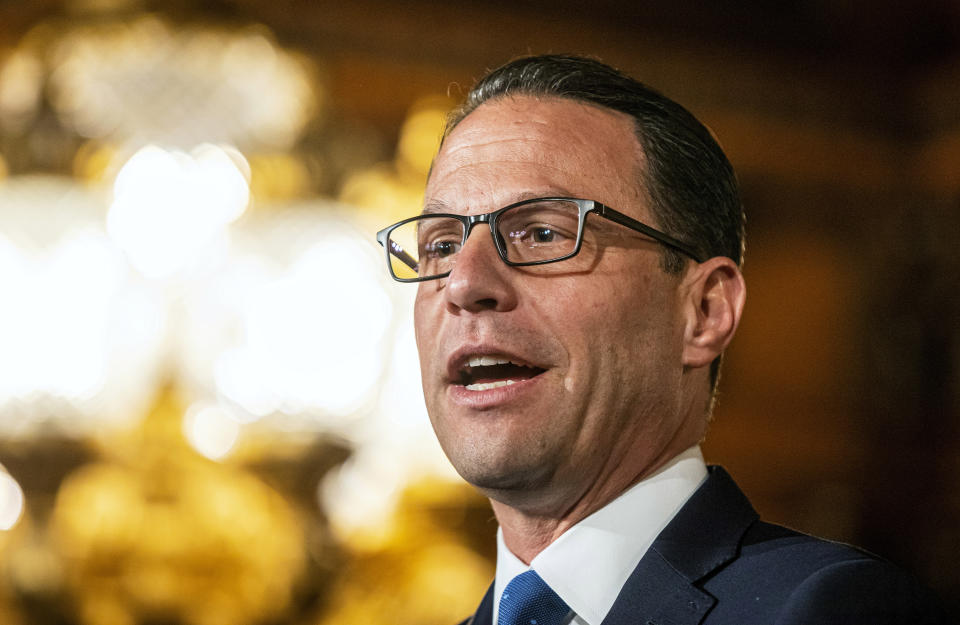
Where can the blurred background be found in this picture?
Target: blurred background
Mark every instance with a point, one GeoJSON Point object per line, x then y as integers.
{"type": "Point", "coordinates": [210, 410]}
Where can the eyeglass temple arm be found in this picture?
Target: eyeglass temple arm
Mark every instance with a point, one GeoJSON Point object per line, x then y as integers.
{"type": "Point", "coordinates": [653, 233]}
{"type": "Point", "coordinates": [399, 252]}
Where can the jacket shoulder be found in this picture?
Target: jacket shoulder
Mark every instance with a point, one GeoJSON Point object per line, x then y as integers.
{"type": "Point", "coordinates": [785, 577]}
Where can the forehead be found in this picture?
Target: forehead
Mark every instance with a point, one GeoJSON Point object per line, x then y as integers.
{"type": "Point", "coordinates": [516, 147]}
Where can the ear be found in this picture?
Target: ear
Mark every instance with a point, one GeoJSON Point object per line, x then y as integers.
{"type": "Point", "coordinates": [712, 308]}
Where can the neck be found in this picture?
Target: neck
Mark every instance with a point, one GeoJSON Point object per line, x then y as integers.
{"type": "Point", "coordinates": [527, 533]}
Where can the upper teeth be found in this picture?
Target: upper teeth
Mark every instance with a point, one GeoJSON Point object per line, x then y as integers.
{"type": "Point", "coordinates": [486, 386]}
{"type": "Point", "coordinates": [486, 361]}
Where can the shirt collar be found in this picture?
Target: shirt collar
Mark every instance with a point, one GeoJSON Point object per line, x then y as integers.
{"type": "Point", "coordinates": [589, 563]}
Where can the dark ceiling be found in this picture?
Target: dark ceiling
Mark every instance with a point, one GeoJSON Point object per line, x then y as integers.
{"type": "Point", "coordinates": [888, 35]}
{"type": "Point", "coordinates": [899, 35]}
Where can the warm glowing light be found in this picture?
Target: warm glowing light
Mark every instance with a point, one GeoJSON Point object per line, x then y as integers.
{"type": "Point", "coordinates": [360, 495]}
{"type": "Point", "coordinates": [395, 448]}
{"type": "Point", "coordinates": [11, 501]}
{"type": "Point", "coordinates": [401, 398]}
{"type": "Point", "coordinates": [278, 177]}
{"type": "Point", "coordinates": [148, 81]}
{"type": "Point", "coordinates": [312, 335]}
{"type": "Point", "coordinates": [420, 135]}
{"type": "Point", "coordinates": [393, 191]}
{"type": "Point", "coordinates": [163, 531]}
{"type": "Point", "coordinates": [81, 338]}
{"type": "Point", "coordinates": [54, 323]}
{"type": "Point", "coordinates": [21, 85]}
{"type": "Point", "coordinates": [210, 430]}
{"type": "Point", "coordinates": [170, 209]}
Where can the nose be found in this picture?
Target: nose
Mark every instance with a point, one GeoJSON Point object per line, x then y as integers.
{"type": "Point", "coordinates": [480, 280]}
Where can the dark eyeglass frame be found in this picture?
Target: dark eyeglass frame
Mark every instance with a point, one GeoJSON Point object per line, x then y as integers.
{"type": "Point", "coordinates": [585, 207]}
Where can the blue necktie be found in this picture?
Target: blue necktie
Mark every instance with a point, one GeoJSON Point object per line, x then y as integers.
{"type": "Point", "coordinates": [527, 600]}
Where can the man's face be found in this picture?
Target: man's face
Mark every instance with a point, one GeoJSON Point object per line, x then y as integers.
{"type": "Point", "coordinates": [598, 338]}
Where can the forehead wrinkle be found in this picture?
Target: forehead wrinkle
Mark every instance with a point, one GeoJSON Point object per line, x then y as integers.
{"type": "Point", "coordinates": [507, 132]}
{"type": "Point", "coordinates": [504, 150]}
{"type": "Point", "coordinates": [462, 160]}
{"type": "Point", "coordinates": [465, 167]}
{"type": "Point", "coordinates": [489, 196]}
{"type": "Point", "coordinates": [517, 139]}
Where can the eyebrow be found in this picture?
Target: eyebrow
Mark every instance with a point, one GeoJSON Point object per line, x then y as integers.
{"type": "Point", "coordinates": [439, 206]}
{"type": "Point", "coordinates": [436, 206]}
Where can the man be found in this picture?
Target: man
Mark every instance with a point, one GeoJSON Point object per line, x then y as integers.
{"type": "Point", "coordinates": [570, 348]}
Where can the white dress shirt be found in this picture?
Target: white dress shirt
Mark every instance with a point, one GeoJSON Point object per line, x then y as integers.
{"type": "Point", "coordinates": [590, 562]}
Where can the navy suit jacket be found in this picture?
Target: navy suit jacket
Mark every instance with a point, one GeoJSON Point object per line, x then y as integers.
{"type": "Point", "coordinates": [716, 563]}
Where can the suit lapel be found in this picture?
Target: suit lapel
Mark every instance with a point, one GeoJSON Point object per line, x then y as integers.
{"type": "Point", "coordinates": [484, 614]}
{"type": "Point", "coordinates": [662, 590]}
{"type": "Point", "coordinates": [656, 594]}
{"type": "Point", "coordinates": [703, 536]}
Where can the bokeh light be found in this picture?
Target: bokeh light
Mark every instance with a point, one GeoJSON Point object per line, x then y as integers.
{"type": "Point", "coordinates": [170, 209]}
{"type": "Point", "coordinates": [11, 501]}
{"type": "Point", "coordinates": [145, 81]}
{"type": "Point", "coordinates": [21, 85]}
{"type": "Point", "coordinates": [210, 430]}
{"type": "Point", "coordinates": [193, 341]}
{"type": "Point", "coordinates": [312, 336]}
{"type": "Point", "coordinates": [82, 336]}
{"type": "Point", "coordinates": [396, 448]}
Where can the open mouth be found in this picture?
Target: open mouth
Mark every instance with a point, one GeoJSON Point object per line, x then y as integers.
{"type": "Point", "coordinates": [482, 373]}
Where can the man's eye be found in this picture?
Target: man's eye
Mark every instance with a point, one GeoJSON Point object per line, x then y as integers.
{"type": "Point", "coordinates": [543, 235]}
{"type": "Point", "coordinates": [442, 249]}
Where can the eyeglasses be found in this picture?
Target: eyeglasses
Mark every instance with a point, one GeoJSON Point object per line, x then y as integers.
{"type": "Point", "coordinates": [531, 232]}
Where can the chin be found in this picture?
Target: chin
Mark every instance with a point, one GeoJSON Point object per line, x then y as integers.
{"type": "Point", "coordinates": [503, 480]}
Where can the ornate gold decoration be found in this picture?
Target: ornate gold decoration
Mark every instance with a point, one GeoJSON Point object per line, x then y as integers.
{"type": "Point", "coordinates": [158, 531]}
{"type": "Point", "coordinates": [424, 572]}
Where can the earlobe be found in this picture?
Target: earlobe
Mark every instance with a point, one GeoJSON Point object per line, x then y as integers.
{"type": "Point", "coordinates": [713, 306]}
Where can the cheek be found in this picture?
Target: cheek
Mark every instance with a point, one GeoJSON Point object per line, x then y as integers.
{"type": "Point", "coordinates": [425, 330]}
{"type": "Point", "coordinates": [590, 326]}
{"type": "Point", "coordinates": [618, 333]}
{"type": "Point", "coordinates": [425, 308]}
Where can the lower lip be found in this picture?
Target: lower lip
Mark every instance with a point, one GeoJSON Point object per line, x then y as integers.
{"type": "Point", "coordinates": [491, 398]}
